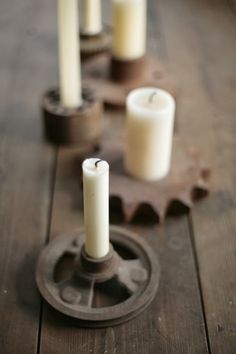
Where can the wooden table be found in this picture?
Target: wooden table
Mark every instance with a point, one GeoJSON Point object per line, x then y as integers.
{"type": "Point", "coordinates": [195, 308]}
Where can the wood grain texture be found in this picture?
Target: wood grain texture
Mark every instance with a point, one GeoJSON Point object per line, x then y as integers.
{"type": "Point", "coordinates": [204, 44]}
{"type": "Point", "coordinates": [195, 308]}
{"type": "Point", "coordinates": [25, 172]}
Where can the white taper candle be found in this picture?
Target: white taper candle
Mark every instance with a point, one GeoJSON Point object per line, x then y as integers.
{"type": "Point", "coordinates": [91, 17]}
{"type": "Point", "coordinates": [69, 58]}
{"type": "Point", "coordinates": [96, 207]}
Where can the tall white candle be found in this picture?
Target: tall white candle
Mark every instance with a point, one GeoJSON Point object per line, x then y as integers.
{"type": "Point", "coordinates": [129, 29]}
{"type": "Point", "coordinates": [150, 121]}
{"type": "Point", "coordinates": [96, 207]}
{"type": "Point", "coordinates": [91, 18]}
{"type": "Point", "coordinates": [69, 59]}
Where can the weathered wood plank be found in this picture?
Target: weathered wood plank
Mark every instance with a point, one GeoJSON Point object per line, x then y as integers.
{"type": "Point", "coordinates": [203, 42]}
{"type": "Point", "coordinates": [25, 171]}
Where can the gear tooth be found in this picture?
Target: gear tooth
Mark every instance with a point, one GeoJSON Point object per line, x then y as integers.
{"type": "Point", "coordinates": [186, 198]}
{"type": "Point", "coordinates": [162, 215]}
{"type": "Point", "coordinates": [160, 210]}
{"type": "Point", "coordinates": [129, 211]}
{"type": "Point", "coordinates": [201, 183]}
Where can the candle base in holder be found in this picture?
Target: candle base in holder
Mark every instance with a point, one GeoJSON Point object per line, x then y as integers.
{"type": "Point", "coordinates": [128, 70]}
{"type": "Point", "coordinates": [153, 201]}
{"type": "Point", "coordinates": [113, 79]}
{"type": "Point", "coordinates": [99, 292]}
{"type": "Point", "coordinates": [91, 45]}
{"type": "Point", "coordinates": [80, 126]}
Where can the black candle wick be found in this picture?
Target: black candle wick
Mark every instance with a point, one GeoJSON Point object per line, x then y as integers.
{"type": "Point", "coordinates": [97, 162]}
{"type": "Point", "coordinates": [152, 96]}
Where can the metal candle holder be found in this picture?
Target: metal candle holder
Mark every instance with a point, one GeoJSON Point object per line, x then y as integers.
{"type": "Point", "coordinates": [124, 71]}
{"type": "Point", "coordinates": [187, 182]}
{"type": "Point", "coordinates": [112, 78]}
{"type": "Point", "coordinates": [99, 292]}
{"type": "Point", "coordinates": [80, 126]}
{"type": "Point", "coordinates": [94, 44]}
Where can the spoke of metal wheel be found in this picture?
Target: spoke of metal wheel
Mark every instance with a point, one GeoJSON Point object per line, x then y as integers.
{"type": "Point", "coordinates": [131, 273]}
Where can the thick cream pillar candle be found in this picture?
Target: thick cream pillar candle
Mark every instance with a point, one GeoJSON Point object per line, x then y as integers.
{"type": "Point", "coordinates": [129, 29]}
{"type": "Point", "coordinates": [91, 18]}
{"type": "Point", "coordinates": [150, 121]}
{"type": "Point", "coordinates": [69, 59]}
{"type": "Point", "coordinates": [96, 207]}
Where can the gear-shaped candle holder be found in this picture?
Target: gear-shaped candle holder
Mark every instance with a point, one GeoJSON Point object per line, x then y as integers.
{"type": "Point", "coordinates": [91, 45]}
{"type": "Point", "coordinates": [99, 292]}
{"type": "Point", "coordinates": [81, 126]}
{"type": "Point", "coordinates": [175, 194]}
{"type": "Point", "coordinates": [112, 79]}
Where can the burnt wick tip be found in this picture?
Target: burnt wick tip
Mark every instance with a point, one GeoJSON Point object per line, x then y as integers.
{"type": "Point", "coordinates": [97, 162]}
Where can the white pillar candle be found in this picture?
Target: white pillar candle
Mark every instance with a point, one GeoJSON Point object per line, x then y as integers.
{"type": "Point", "coordinates": [96, 207]}
{"type": "Point", "coordinates": [69, 59]}
{"type": "Point", "coordinates": [91, 18]}
{"type": "Point", "coordinates": [129, 29]}
{"type": "Point", "coordinates": [150, 121]}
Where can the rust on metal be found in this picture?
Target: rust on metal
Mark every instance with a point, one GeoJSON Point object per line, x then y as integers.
{"type": "Point", "coordinates": [99, 292]}
{"type": "Point", "coordinates": [173, 195]}
{"type": "Point", "coordinates": [80, 126]}
{"type": "Point", "coordinates": [113, 79]}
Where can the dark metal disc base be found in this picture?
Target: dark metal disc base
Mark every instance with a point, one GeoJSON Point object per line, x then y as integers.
{"type": "Point", "coordinates": [98, 292]}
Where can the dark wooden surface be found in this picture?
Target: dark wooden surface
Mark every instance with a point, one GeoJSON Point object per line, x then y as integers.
{"type": "Point", "coordinates": [195, 308]}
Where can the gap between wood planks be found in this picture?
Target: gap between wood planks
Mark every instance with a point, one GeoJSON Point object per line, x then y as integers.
{"type": "Point", "coordinates": [52, 189]}
{"type": "Point", "coordinates": [191, 233]}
